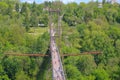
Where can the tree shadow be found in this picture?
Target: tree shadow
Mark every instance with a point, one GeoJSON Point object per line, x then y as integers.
{"type": "Point", "coordinates": [44, 68]}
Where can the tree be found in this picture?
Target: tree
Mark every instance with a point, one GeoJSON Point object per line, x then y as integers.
{"type": "Point", "coordinates": [10, 67]}
{"type": "Point", "coordinates": [3, 7]}
{"type": "Point", "coordinates": [70, 17]}
{"type": "Point", "coordinates": [117, 47]}
{"type": "Point", "coordinates": [86, 64]}
{"type": "Point", "coordinates": [89, 11]}
{"type": "Point", "coordinates": [24, 9]}
{"type": "Point", "coordinates": [70, 42]}
{"type": "Point", "coordinates": [112, 67]}
{"type": "Point", "coordinates": [26, 22]}
{"type": "Point", "coordinates": [22, 76]}
{"type": "Point", "coordinates": [114, 32]}
{"type": "Point", "coordinates": [10, 10]}
{"type": "Point", "coordinates": [43, 42]}
{"type": "Point", "coordinates": [101, 74]}
{"type": "Point", "coordinates": [3, 75]}
{"type": "Point", "coordinates": [17, 7]}
{"type": "Point", "coordinates": [34, 20]}
{"type": "Point", "coordinates": [72, 73]}
{"type": "Point", "coordinates": [34, 7]}
{"type": "Point", "coordinates": [104, 1]}
{"type": "Point", "coordinates": [15, 65]}
{"type": "Point", "coordinates": [111, 15]}
{"type": "Point", "coordinates": [95, 39]}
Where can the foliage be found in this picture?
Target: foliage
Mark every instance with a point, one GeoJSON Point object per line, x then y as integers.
{"type": "Point", "coordinates": [3, 75]}
{"type": "Point", "coordinates": [85, 27]}
{"type": "Point", "coordinates": [22, 76]}
{"type": "Point", "coordinates": [101, 74]}
{"type": "Point", "coordinates": [72, 72]}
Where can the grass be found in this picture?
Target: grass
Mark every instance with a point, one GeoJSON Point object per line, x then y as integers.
{"type": "Point", "coordinates": [37, 31]}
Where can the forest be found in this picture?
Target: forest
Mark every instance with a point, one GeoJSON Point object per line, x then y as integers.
{"type": "Point", "coordinates": [86, 27]}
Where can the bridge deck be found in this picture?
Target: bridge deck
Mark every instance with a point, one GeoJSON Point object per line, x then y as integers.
{"type": "Point", "coordinates": [58, 72]}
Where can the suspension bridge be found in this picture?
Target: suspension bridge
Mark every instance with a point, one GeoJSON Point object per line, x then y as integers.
{"type": "Point", "coordinates": [57, 67]}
